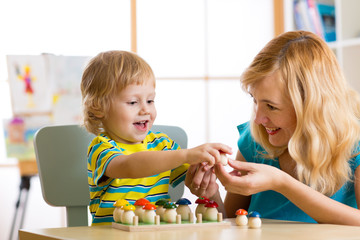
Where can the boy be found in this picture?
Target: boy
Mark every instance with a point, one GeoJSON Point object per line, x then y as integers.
{"type": "Point", "coordinates": [126, 160]}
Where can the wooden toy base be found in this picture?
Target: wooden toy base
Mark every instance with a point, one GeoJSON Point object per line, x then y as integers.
{"type": "Point", "coordinates": [167, 226]}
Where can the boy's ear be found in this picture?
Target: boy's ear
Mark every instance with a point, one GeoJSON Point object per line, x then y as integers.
{"type": "Point", "coordinates": [99, 114]}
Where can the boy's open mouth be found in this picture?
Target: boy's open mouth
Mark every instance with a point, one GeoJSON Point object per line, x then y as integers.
{"type": "Point", "coordinates": [142, 125]}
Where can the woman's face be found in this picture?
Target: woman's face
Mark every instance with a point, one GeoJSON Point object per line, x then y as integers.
{"type": "Point", "coordinates": [273, 110]}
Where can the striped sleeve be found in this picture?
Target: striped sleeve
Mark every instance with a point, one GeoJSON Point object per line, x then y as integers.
{"type": "Point", "coordinates": [178, 175]}
{"type": "Point", "coordinates": [162, 142]}
{"type": "Point", "coordinates": [101, 151]}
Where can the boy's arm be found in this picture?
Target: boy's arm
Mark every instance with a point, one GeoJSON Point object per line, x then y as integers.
{"type": "Point", "coordinates": [148, 163]}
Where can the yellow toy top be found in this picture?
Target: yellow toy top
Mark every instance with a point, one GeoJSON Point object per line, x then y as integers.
{"type": "Point", "coordinates": [121, 203]}
{"type": "Point", "coordinates": [128, 207]}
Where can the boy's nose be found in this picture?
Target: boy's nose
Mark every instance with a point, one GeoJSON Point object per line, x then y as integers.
{"type": "Point", "coordinates": [144, 110]}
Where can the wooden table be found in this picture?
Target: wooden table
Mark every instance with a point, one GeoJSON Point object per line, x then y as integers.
{"type": "Point", "coordinates": [270, 230]}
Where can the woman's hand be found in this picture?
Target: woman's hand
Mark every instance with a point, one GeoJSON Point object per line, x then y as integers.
{"type": "Point", "coordinates": [201, 180]}
{"type": "Point", "coordinates": [249, 178]}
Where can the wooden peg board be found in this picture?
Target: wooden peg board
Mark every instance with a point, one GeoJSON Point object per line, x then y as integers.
{"type": "Point", "coordinates": [168, 226]}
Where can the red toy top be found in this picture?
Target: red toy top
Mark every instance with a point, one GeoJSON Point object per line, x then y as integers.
{"type": "Point", "coordinates": [211, 204]}
{"type": "Point", "coordinates": [149, 206]}
{"type": "Point", "coordinates": [202, 200]}
{"type": "Point", "coordinates": [241, 212]}
{"type": "Point", "coordinates": [141, 202]}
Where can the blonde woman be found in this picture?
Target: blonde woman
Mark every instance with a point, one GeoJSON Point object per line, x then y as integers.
{"type": "Point", "coordinates": [298, 157]}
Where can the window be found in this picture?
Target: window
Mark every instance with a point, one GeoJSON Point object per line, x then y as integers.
{"type": "Point", "coordinates": [197, 50]}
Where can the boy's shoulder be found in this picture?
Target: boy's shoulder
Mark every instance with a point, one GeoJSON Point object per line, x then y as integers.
{"type": "Point", "coordinates": [151, 138]}
{"type": "Point", "coordinates": [101, 139]}
{"type": "Point", "coordinates": [155, 134]}
{"type": "Point", "coordinates": [159, 140]}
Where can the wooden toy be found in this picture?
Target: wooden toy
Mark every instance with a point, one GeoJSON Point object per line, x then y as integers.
{"type": "Point", "coordinates": [160, 210]}
{"type": "Point", "coordinates": [149, 214]}
{"type": "Point", "coordinates": [223, 159]}
{"type": "Point", "coordinates": [170, 212]}
{"type": "Point", "coordinates": [128, 215]}
{"type": "Point", "coordinates": [200, 208]}
{"type": "Point", "coordinates": [241, 217]}
{"type": "Point", "coordinates": [172, 220]}
{"type": "Point", "coordinates": [211, 211]}
{"type": "Point", "coordinates": [183, 208]}
{"type": "Point", "coordinates": [254, 220]}
{"type": "Point", "coordinates": [118, 211]}
{"type": "Point", "coordinates": [139, 207]}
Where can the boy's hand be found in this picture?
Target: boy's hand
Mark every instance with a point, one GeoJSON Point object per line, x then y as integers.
{"type": "Point", "coordinates": [207, 154]}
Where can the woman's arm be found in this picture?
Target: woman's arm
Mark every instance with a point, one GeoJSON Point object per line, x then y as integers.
{"type": "Point", "coordinates": [318, 206]}
{"type": "Point", "coordinates": [261, 177]}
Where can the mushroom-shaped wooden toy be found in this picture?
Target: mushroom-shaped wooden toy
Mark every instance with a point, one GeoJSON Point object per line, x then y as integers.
{"type": "Point", "coordinates": [160, 210]}
{"type": "Point", "coordinates": [241, 217]}
{"type": "Point", "coordinates": [118, 211]}
{"type": "Point", "coordinates": [254, 220]}
{"type": "Point", "coordinates": [139, 210]}
{"type": "Point", "coordinates": [200, 208]}
{"type": "Point", "coordinates": [183, 208]}
{"type": "Point", "coordinates": [211, 211]}
{"type": "Point", "coordinates": [128, 215]}
{"type": "Point", "coordinates": [170, 212]}
{"type": "Point", "coordinates": [149, 214]}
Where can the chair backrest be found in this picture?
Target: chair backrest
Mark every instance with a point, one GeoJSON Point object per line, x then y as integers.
{"type": "Point", "coordinates": [61, 158]}
{"type": "Point", "coordinates": [179, 136]}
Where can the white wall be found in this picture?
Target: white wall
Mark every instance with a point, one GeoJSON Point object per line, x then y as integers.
{"type": "Point", "coordinates": [172, 38]}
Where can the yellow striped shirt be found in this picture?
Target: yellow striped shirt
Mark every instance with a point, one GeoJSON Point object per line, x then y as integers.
{"type": "Point", "coordinates": [105, 191]}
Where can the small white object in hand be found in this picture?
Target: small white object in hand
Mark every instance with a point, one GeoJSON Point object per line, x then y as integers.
{"type": "Point", "coordinates": [223, 159]}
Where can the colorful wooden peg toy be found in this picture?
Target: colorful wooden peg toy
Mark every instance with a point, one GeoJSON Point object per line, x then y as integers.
{"type": "Point", "coordinates": [241, 217]}
{"type": "Point", "coordinates": [200, 208]}
{"type": "Point", "coordinates": [183, 209]}
{"type": "Point", "coordinates": [254, 220]}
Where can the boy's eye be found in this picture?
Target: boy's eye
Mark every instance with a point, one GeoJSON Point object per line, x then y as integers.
{"type": "Point", "coordinates": [132, 102]}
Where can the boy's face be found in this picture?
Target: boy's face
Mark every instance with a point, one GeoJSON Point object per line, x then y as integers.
{"type": "Point", "coordinates": [132, 114]}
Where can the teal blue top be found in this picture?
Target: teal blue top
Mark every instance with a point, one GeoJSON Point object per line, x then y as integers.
{"type": "Point", "coordinates": [273, 205]}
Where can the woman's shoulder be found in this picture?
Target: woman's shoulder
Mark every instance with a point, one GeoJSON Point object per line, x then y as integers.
{"type": "Point", "coordinates": [245, 137]}
{"type": "Point", "coordinates": [248, 147]}
{"type": "Point", "coordinates": [244, 128]}
{"type": "Point", "coordinates": [355, 160]}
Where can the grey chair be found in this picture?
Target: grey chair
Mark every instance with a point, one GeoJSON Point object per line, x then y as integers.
{"type": "Point", "coordinates": [61, 158]}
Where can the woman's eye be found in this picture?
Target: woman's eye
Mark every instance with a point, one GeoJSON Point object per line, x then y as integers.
{"type": "Point", "coordinates": [271, 107]}
{"type": "Point", "coordinates": [150, 101]}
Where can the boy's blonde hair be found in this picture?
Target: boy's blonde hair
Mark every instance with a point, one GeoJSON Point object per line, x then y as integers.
{"type": "Point", "coordinates": [105, 76]}
{"type": "Point", "coordinates": [327, 109]}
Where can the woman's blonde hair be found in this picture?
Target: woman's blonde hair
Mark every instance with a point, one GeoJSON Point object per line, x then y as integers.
{"type": "Point", "coordinates": [327, 109]}
{"type": "Point", "coordinates": [105, 76]}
